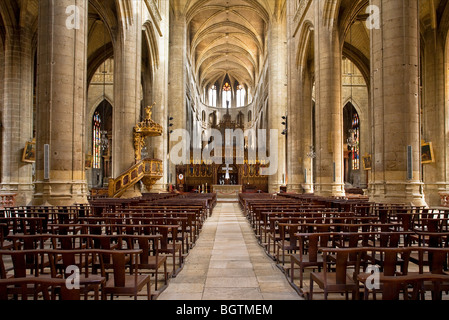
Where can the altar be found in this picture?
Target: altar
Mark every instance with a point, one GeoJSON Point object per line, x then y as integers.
{"type": "Point", "coordinates": [219, 178]}
{"type": "Point", "coordinates": [226, 191]}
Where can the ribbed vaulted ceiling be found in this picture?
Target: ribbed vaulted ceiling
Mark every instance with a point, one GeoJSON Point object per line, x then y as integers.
{"type": "Point", "coordinates": [227, 37]}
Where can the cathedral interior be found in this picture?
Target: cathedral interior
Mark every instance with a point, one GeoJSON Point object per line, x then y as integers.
{"type": "Point", "coordinates": [121, 99]}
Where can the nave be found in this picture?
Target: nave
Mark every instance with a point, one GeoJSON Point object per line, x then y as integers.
{"type": "Point", "coordinates": [227, 263]}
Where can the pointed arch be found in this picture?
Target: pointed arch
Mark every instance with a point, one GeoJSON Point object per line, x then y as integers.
{"type": "Point", "coordinates": [330, 12]}
{"type": "Point", "coordinates": [9, 12]}
{"type": "Point", "coordinates": [305, 39]}
{"type": "Point", "coordinates": [126, 12]}
{"type": "Point", "coordinates": [360, 61]}
{"type": "Point", "coordinates": [107, 15]}
{"type": "Point", "coordinates": [152, 44]}
{"type": "Point", "coordinates": [96, 59]}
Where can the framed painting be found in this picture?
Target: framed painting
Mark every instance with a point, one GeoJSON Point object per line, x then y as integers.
{"type": "Point", "coordinates": [88, 161]}
{"type": "Point", "coordinates": [427, 153]}
{"type": "Point", "coordinates": [367, 162]}
{"type": "Point", "coordinates": [29, 153]}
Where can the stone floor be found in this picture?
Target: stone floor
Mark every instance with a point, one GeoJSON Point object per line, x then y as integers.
{"type": "Point", "coordinates": [227, 263]}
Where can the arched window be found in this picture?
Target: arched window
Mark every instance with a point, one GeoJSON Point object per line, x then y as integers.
{"type": "Point", "coordinates": [241, 95]}
{"type": "Point", "coordinates": [213, 119]}
{"type": "Point", "coordinates": [213, 96]}
{"type": "Point", "coordinates": [240, 119]}
{"type": "Point", "coordinates": [97, 141]}
{"type": "Point", "coordinates": [227, 95]}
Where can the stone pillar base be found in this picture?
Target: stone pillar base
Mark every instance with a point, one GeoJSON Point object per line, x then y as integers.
{"type": "Point", "coordinates": [61, 193]}
{"type": "Point", "coordinates": [330, 190]}
{"type": "Point", "coordinates": [308, 188]}
{"type": "Point", "coordinates": [274, 188]}
{"type": "Point", "coordinates": [409, 193]}
{"type": "Point", "coordinates": [295, 188]}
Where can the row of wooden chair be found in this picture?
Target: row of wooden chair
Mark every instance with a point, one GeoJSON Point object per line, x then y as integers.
{"type": "Point", "coordinates": [188, 232]}
{"type": "Point", "coordinates": [309, 247]}
{"type": "Point", "coordinates": [279, 228]}
{"type": "Point", "coordinates": [71, 273]}
{"type": "Point", "coordinates": [305, 229]}
{"type": "Point", "coordinates": [152, 257]}
{"type": "Point", "coordinates": [287, 240]}
{"type": "Point", "coordinates": [168, 243]}
{"type": "Point", "coordinates": [156, 232]}
{"type": "Point", "coordinates": [382, 270]}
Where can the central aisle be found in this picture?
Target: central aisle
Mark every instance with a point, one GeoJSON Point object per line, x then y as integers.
{"type": "Point", "coordinates": [228, 264]}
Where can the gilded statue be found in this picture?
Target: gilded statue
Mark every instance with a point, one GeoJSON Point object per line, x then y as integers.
{"type": "Point", "coordinates": [149, 112]}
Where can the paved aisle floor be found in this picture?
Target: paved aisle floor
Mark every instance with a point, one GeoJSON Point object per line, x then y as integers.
{"type": "Point", "coordinates": [228, 264]}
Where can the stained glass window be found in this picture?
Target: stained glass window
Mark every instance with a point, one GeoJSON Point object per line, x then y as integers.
{"type": "Point", "coordinates": [97, 141]}
{"type": "Point", "coordinates": [227, 95]}
{"type": "Point", "coordinates": [356, 139]}
{"type": "Point", "coordinates": [240, 96]}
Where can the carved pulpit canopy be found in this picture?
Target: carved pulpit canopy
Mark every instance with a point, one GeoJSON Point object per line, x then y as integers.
{"type": "Point", "coordinates": [146, 128]}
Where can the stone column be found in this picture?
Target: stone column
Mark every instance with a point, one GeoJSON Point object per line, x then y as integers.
{"type": "Point", "coordinates": [177, 80]}
{"type": "Point", "coordinates": [294, 168]}
{"type": "Point", "coordinates": [434, 116]}
{"type": "Point", "coordinates": [62, 71]}
{"type": "Point", "coordinates": [295, 130]}
{"type": "Point", "coordinates": [277, 101]}
{"type": "Point", "coordinates": [306, 135]}
{"type": "Point", "coordinates": [300, 131]}
{"type": "Point", "coordinates": [17, 118]}
{"type": "Point", "coordinates": [160, 96]}
{"type": "Point", "coordinates": [127, 95]}
{"type": "Point", "coordinates": [329, 110]}
{"type": "Point", "coordinates": [395, 101]}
